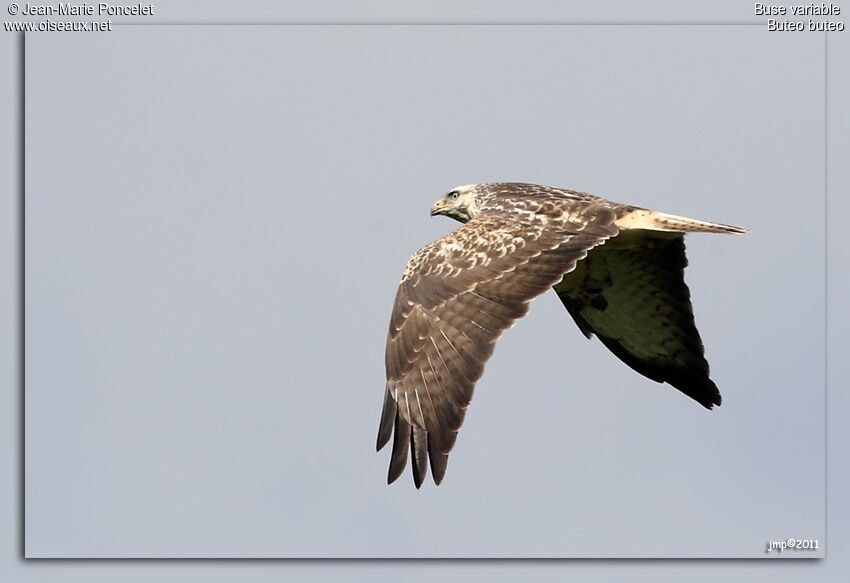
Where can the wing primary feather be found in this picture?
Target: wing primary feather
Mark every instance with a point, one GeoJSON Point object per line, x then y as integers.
{"type": "Point", "coordinates": [425, 384]}
{"type": "Point", "coordinates": [385, 428]}
{"type": "Point", "coordinates": [401, 443]}
{"type": "Point", "coordinates": [419, 455]}
{"type": "Point", "coordinates": [439, 460]}
{"type": "Point", "coordinates": [419, 402]}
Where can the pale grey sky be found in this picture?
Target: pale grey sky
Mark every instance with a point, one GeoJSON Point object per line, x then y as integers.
{"type": "Point", "coordinates": [212, 257]}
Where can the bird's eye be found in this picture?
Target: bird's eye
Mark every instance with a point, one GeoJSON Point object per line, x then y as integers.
{"type": "Point", "coordinates": [453, 195]}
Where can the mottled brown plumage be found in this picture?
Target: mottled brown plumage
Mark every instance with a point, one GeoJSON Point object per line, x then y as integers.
{"type": "Point", "coordinates": [461, 292]}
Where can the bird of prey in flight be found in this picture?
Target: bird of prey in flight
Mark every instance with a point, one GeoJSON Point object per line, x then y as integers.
{"type": "Point", "coordinates": [618, 269]}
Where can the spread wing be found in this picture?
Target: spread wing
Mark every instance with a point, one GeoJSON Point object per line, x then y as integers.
{"type": "Point", "coordinates": [456, 298]}
{"type": "Point", "coordinates": [632, 294]}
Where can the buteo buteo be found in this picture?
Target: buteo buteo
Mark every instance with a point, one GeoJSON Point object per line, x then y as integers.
{"type": "Point", "coordinates": [617, 268]}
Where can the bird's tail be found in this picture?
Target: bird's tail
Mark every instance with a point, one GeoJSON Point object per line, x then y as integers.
{"type": "Point", "coordinates": [638, 218]}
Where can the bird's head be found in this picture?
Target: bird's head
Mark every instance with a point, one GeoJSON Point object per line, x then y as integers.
{"type": "Point", "coordinates": [460, 203]}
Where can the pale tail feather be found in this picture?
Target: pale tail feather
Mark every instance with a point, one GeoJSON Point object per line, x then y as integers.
{"type": "Point", "coordinates": [655, 221]}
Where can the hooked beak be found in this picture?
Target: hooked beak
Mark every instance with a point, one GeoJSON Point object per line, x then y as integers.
{"type": "Point", "coordinates": [438, 208]}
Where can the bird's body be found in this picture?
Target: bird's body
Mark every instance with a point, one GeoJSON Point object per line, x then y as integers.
{"type": "Point", "coordinates": [617, 268]}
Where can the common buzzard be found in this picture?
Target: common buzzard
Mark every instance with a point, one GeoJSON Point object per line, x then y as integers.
{"type": "Point", "coordinates": [618, 269]}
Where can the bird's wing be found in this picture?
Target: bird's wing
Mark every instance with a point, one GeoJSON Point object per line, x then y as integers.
{"type": "Point", "coordinates": [631, 293]}
{"type": "Point", "coordinates": [456, 298]}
